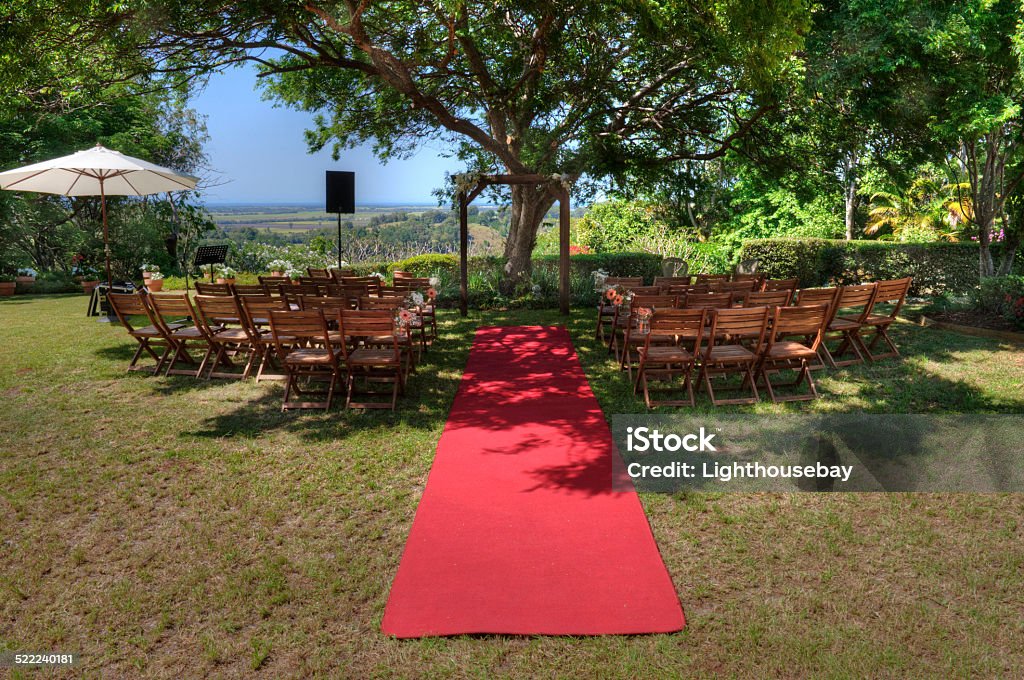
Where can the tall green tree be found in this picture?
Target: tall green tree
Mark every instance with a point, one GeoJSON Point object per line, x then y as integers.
{"type": "Point", "coordinates": [579, 91]}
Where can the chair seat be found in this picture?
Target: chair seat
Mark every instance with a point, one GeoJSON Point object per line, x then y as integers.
{"type": "Point", "coordinates": [311, 356]}
{"type": "Point", "coordinates": [665, 354]}
{"type": "Point", "coordinates": [187, 333]}
{"type": "Point", "coordinates": [730, 354]}
{"type": "Point", "coordinates": [878, 319]}
{"type": "Point", "coordinates": [372, 357]}
{"type": "Point", "coordinates": [232, 335]}
{"type": "Point", "coordinates": [787, 349]}
{"type": "Point", "coordinates": [153, 331]}
{"type": "Point", "coordinates": [843, 324]}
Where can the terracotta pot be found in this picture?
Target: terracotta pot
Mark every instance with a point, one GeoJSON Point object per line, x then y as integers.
{"type": "Point", "coordinates": [26, 281]}
{"type": "Point", "coordinates": [89, 286]}
{"type": "Point", "coordinates": [7, 288]}
{"type": "Point", "coordinates": [155, 285]}
{"type": "Point", "coordinates": [220, 280]}
{"type": "Point", "coordinates": [146, 275]}
{"type": "Point", "coordinates": [277, 273]}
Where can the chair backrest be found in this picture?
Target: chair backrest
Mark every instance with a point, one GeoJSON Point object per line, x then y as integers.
{"type": "Point", "coordinates": [684, 324]}
{"type": "Point", "coordinates": [412, 283]}
{"type": "Point", "coordinates": [373, 302]}
{"type": "Point", "coordinates": [242, 289]}
{"type": "Point", "coordinates": [288, 328]}
{"type": "Point", "coordinates": [746, 277]}
{"type": "Point", "coordinates": [771, 298]}
{"type": "Point", "coordinates": [815, 296]}
{"type": "Point", "coordinates": [273, 280]}
{"type": "Point", "coordinates": [219, 310]}
{"type": "Point", "coordinates": [807, 321]}
{"type": "Point", "coordinates": [665, 281]}
{"type": "Point", "coordinates": [358, 325]}
{"type": "Point", "coordinates": [891, 293]}
{"type": "Point", "coordinates": [331, 306]}
{"type": "Point", "coordinates": [399, 274]}
{"type": "Point", "coordinates": [213, 288]}
{"type": "Point", "coordinates": [708, 278]}
{"type": "Point", "coordinates": [371, 283]}
{"type": "Point", "coordinates": [339, 273]}
{"type": "Point", "coordinates": [730, 326]}
{"type": "Point", "coordinates": [172, 307]}
{"type": "Point", "coordinates": [708, 301]}
{"type": "Point", "coordinates": [646, 290]}
{"type": "Point", "coordinates": [257, 309]}
{"type": "Point", "coordinates": [780, 284]}
{"type": "Point", "coordinates": [627, 281]}
{"type": "Point", "coordinates": [318, 273]}
{"type": "Point", "coordinates": [856, 298]}
{"type": "Point", "coordinates": [127, 305]}
{"type": "Point", "coordinates": [654, 301]}
{"type": "Point", "coordinates": [739, 289]}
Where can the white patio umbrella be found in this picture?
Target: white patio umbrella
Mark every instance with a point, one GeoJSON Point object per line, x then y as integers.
{"type": "Point", "coordinates": [98, 171]}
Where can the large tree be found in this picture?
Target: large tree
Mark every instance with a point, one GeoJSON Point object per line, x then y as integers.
{"type": "Point", "coordinates": [574, 90]}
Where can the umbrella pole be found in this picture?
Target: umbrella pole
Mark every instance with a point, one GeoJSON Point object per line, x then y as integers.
{"type": "Point", "coordinates": [106, 240]}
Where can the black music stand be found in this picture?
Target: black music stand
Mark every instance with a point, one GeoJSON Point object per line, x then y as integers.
{"type": "Point", "coordinates": [208, 255]}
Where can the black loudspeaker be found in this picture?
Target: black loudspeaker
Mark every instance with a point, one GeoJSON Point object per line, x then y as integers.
{"type": "Point", "coordinates": [341, 191]}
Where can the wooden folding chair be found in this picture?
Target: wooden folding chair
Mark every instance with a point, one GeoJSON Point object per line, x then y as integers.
{"type": "Point", "coordinates": [670, 349]}
{"type": "Point", "coordinates": [734, 347]}
{"type": "Point", "coordinates": [213, 288]}
{"type": "Point", "coordinates": [891, 294]}
{"type": "Point", "coordinates": [304, 349]}
{"type": "Point", "coordinates": [739, 289]}
{"type": "Point", "coordinates": [150, 337]}
{"type": "Point", "coordinates": [256, 320]}
{"type": "Point", "coordinates": [783, 353]}
{"type": "Point", "coordinates": [628, 326]}
{"type": "Point", "coordinates": [707, 301]}
{"type": "Point", "coordinates": [371, 283]}
{"type": "Point", "coordinates": [705, 279]}
{"type": "Point", "coordinates": [817, 296]}
{"type": "Point", "coordinates": [665, 281]}
{"type": "Point", "coordinates": [247, 289]}
{"type": "Point", "coordinates": [779, 284]}
{"type": "Point", "coordinates": [338, 274]}
{"type": "Point", "coordinates": [848, 314]}
{"type": "Point", "coordinates": [771, 298]}
{"type": "Point", "coordinates": [756, 278]}
{"type": "Point", "coordinates": [372, 354]}
{"type": "Point", "coordinates": [318, 273]}
{"type": "Point", "coordinates": [273, 284]}
{"type": "Point", "coordinates": [174, 311]}
{"type": "Point", "coordinates": [228, 335]}
{"type": "Point", "coordinates": [605, 309]}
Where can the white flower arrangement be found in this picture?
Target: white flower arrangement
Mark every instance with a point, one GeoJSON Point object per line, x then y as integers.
{"type": "Point", "coordinates": [417, 298]}
{"type": "Point", "coordinates": [378, 275]}
{"type": "Point", "coordinates": [434, 281]}
{"type": "Point", "coordinates": [150, 268]}
{"type": "Point", "coordinates": [226, 272]}
{"type": "Point", "coordinates": [155, 275]}
{"type": "Point", "coordinates": [293, 274]}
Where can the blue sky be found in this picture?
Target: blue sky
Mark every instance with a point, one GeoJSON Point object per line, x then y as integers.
{"type": "Point", "coordinates": [260, 153]}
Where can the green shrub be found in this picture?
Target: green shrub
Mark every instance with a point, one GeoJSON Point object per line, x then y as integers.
{"type": "Point", "coordinates": [936, 267]}
{"type": "Point", "coordinates": [646, 265]}
{"type": "Point", "coordinates": [430, 264]}
{"type": "Point", "coordinates": [1002, 295]}
{"type": "Point", "coordinates": [49, 283]}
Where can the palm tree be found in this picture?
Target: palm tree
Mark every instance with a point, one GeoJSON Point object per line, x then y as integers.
{"type": "Point", "coordinates": [931, 208]}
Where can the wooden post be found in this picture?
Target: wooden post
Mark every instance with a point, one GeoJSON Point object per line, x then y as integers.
{"type": "Point", "coordinates": [563, 252]}
{"type": "Point", "coordinates": [463, 246]}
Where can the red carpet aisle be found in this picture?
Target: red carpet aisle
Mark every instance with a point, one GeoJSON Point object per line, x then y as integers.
{"type": "Point", "coordinates": [518, 531]}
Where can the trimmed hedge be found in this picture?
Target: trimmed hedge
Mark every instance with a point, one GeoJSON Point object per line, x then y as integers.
{"type": "Point", "coordinates": [616, 264]}
{"type": "Point", "coordinates": [936, 267]}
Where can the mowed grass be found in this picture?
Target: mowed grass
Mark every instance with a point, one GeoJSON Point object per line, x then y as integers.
{"type": "Point", "coordinates": [179, 528]}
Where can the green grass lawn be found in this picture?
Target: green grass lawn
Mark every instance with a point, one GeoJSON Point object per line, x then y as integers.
{"type": "Point", "coordinates": [181, 528]}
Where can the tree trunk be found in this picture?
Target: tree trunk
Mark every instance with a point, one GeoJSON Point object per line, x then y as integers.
{"type": "Point", "coordinates": [529, 205]}
{"type": "Point", "coordinates": [851, 194]}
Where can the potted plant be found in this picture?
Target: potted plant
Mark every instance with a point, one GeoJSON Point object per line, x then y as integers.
{"type": "Point", "coordinates": [90, 279]}
{"type": "Point", "coordinates": [7, 285]}
{"type": "Point", "coordinates": [226, 275]}
{"type": "Point", "coordinates": [155, 282]}
{"type": "Point", "coordinates": [294, 275]}
{"type": "Point", "coordinates": [26, 277]}
{"type": "Point", "coordinates": [279, 267]}
{"type": "Point", "coordinates": [148, 270]}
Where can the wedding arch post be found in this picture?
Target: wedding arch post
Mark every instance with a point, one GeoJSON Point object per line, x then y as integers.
{"type": "Point", "coordinates": [469, 194]}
